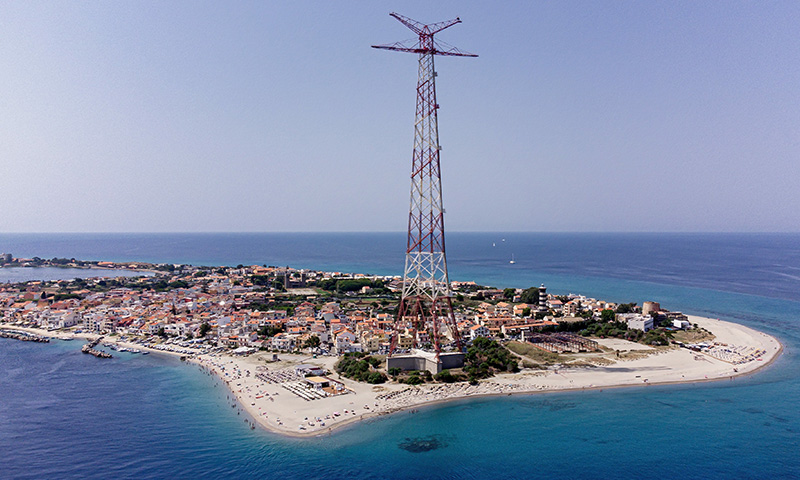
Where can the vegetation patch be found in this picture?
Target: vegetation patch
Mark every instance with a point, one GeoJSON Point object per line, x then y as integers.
{"type": "Point", "coordinates": [538, 355]}
{"type": "Point", "coordinates": [360, 367]}
{"type": "Point", "coordinates": [486, 357]}
{"type": "Point", "coordinates": [695, 335]}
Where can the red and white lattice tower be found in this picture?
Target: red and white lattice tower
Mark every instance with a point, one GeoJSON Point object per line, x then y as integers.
{"type": "Point", "coordinates": [425, 305]}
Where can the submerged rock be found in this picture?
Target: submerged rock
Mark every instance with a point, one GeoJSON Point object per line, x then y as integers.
{"type": "Point", "coordinates": [422, 444]}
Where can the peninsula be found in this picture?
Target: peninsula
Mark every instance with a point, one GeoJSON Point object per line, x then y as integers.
{"type": "Point", "coordinates": [304, 351]}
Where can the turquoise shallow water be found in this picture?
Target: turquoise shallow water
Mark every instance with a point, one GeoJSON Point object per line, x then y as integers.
{"type": "Point", "coordinates": [66, 415]}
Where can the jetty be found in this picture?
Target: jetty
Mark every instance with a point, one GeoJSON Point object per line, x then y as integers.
{"type": "Point", "coordinates": [89, 348]}
{"type": "Point", "coordinates": [25, 337]}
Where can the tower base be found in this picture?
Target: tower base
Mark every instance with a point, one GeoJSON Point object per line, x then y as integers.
{"type": "Point", "coordinates": [420, 360]}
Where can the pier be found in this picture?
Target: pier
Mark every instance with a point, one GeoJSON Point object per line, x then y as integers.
{"type": "Point", "coordinates": [25, 337]}
{"type": "Point", "coordinates": [91, 351]}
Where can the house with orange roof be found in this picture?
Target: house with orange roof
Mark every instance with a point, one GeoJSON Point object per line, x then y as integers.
{"type": "Point", "coordinates": [573, 307]}
{"type": "Point", "coordinates": [495, 322]}
{"type": "Point", "coordinates": [283, 342]}
{"type": "Point", "coordinates": [332, 307]}
{"type": "Point", "coordinates": [371, 342]}
{"type": "Point", "coordinates": [297, 330]}
{"type": "Point", "coordinates": [343, 340]}
{"type": "Point", "coordinates": [476, 331]}
{"type": "Point", "coordinates": [520, 308]}
{"type": "Point", "coordinates": [555, 304]}
{"type": "Point", "coordinates": [503, 308]}
{"type": "Point", "coordinates": [321, 330]}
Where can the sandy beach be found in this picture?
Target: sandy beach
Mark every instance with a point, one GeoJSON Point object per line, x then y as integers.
{"type": "Point", "coordinates": [276, 398]}
{"type": "Point", "coordinates": [277, 409]}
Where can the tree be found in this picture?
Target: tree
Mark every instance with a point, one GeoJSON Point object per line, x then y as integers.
{"type": "Point", "coordinates": [312, 342]}
{"type": "Point", "coordinates": [445, 376]}
{"type": "Point", "coordinates": [271, 330]}
{"type": "Point", "coordinates": [204, 329]}
{"type": "Point", "coordinates": [526, 312]}
{"type": "Point", "coordinates": [626, 307]}
{"type": "Point", "coordinates": [608, 315]}
{"type": "Point", "coordinates": [508, 293]}
{"type": "Point", "coordinates": [376, 377]}
{"type": "Point", "coordinates": [530, 296]}
{"type": "Point", "coordinates": [161, 332]}
{"type": "Point", "coordinates": [485, 357]}
{"type": "Point", "coordinates": [357, 366]}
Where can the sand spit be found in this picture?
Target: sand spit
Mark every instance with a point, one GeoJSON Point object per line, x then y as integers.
{"type": "Point", "coordinates": [277, 408]}
{"type": "Point", "coordinates": [280, 401]}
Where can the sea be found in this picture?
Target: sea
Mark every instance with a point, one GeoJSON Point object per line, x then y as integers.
{"type": "Point", "coordinates": [65, 415]}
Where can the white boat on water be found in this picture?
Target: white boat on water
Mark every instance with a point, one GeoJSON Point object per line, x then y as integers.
{"type": "Point", "coordinates": [512, 261]}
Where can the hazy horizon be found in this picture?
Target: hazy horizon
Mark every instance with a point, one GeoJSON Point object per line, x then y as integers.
{"type": "Point", "coordinates": [403, 232]}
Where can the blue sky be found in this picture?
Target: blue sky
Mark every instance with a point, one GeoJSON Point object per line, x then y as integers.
{"type": "Point", "coordinates": [278, 116]}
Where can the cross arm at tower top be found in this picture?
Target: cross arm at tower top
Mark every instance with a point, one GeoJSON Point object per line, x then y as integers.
{"type": "Point", "coordinates": [425, 44]}
{"type": "Point", "coordinates": [420, 28]}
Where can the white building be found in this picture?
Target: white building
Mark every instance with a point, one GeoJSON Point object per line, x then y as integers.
{"type": "Point", "coordinates": [344, 339]}
{"type": "Point", "coordinates": [636, 321]}
{"type": "Point", "coordinates": [476, 331]}
{"type": "Point", "coordinates": [283, 342]}
{"type": "Point", "coordinates": [682, 324]}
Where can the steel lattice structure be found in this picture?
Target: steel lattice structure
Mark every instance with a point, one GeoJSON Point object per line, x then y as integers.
{"type": "Point", "coordinates": [426, 299]}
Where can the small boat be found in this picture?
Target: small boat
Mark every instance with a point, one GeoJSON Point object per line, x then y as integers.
{"type": "Point", "coordinates": [512, 261]}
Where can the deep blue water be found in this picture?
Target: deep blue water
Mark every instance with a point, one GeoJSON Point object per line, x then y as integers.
{"type": "Point", "coordinates": [763, 264]}
{"type": "Point", "coordinates": [67, 415]}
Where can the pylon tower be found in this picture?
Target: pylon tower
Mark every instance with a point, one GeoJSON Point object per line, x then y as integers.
{"type": "Point", "coordinates": [425, 304]}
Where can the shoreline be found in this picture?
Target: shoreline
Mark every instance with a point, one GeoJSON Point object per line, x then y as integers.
{"type": "Point", "coordinates": [501, 385]}
{"type": "Point", "coordinates": [277, 410]}
{"type": "Point", "coordinates": [88, 267]}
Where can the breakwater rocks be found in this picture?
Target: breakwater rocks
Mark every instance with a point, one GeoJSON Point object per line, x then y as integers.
{"type": "Point", "coordinates": [97, 353]}
{"type": "Point", "coordinates": [25, 337]}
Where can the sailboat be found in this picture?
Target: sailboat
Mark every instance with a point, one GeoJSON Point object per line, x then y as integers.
{"type": "Point", "coordinates": [512, 259]}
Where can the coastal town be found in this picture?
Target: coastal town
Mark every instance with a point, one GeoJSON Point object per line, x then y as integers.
{"type": "Point", "coordinates": [304, 350]}
{"type": "Point", "coordinates": [285, 309]}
